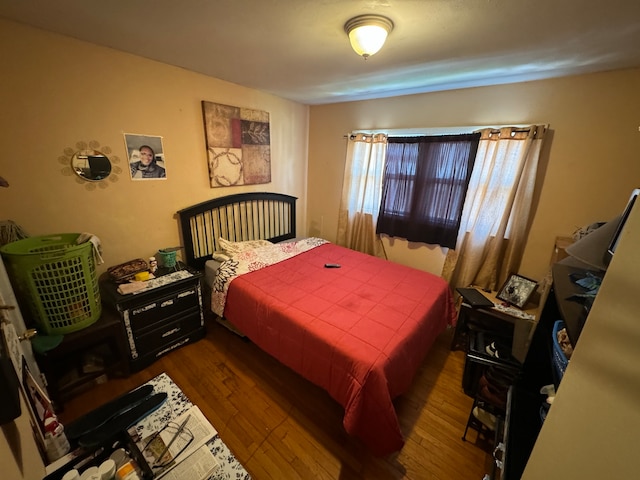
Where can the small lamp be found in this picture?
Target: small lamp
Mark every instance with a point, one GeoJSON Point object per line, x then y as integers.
{"type": "Point", "coordinates": [367, 33]}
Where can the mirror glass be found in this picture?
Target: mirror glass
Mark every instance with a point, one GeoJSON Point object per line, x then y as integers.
{"type": "Point", "coordinates": [91, 165]}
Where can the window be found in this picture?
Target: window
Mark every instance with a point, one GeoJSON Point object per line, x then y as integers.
{"type": "Point", "coordinates": [424, 187]}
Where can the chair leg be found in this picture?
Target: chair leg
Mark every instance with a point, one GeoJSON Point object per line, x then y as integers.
{"type": "Point", "coordinates": [475, 422]}
{"type": "Point", "coordinates": [469, 420]}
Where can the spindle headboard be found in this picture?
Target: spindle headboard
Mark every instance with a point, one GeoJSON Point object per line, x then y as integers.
{"type": "Point", "coordinates": [239, 217]}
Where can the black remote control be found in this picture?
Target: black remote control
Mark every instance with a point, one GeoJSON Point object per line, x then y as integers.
{"type": "Point", "coordinates": [331, 265]}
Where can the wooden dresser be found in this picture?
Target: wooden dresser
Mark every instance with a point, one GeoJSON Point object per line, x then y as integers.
{"type": "Point", "coordinates": [159, 319]}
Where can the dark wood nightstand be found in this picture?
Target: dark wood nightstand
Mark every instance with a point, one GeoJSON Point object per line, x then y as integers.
{"type": "Point", "coordinates": [85, 358]}
{"type": "Point", "coordinates": [159, 319]}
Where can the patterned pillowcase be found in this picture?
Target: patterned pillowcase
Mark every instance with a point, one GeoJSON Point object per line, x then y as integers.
{"type": "Point", "coordinates": [232, 248]}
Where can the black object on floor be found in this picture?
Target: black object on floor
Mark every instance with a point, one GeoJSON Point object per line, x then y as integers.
{"type": "Point", "coordinates": [103, 434]}
{"type": "Point", "coordinates": [98, 417]}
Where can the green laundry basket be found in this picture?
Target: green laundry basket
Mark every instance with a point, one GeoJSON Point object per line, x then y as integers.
{"type": "Point", "coordinates": [55, 280]}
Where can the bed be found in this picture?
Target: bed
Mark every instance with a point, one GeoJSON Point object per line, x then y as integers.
{"type": "Point", "coordinates": [359, 331]}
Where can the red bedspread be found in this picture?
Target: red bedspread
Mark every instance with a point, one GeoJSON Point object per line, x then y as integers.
{"type": "Point", "coordinates": [359, 331]}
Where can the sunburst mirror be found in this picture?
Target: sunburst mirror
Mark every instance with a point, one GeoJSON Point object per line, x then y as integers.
{"type": "Point", "coordinates": [91, 163]}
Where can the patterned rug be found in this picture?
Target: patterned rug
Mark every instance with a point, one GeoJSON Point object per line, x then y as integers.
{"type": "Point", "coordinates": [176, 404]}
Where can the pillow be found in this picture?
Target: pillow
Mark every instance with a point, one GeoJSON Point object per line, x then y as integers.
{"type": "Point", "coordinates": [220, 256]}
{"type": "Point", "coordinates": [231, 248]}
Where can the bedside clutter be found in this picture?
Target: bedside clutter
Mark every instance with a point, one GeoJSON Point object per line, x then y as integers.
{"type": "Point", "coordinates": [496, 339]}
{"type": "Point", "coordinates": [533, 394]}
{"type": "Point", "coordinates": [159, 315]}
{"type": "Point", "coordinates": [516, 324]}
{"type": "Point", "coordinates": [150, 440]}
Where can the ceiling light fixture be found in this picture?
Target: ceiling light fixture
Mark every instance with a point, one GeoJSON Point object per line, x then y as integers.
{"type": "Point", "coordinates": [367, 33]}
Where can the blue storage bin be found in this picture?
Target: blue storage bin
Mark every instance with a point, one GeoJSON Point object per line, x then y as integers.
{"type": "Point", "coordinates": [559, 360]}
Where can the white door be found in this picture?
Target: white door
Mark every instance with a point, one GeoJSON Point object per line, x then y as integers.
{"type": "Point", "coordinates": [14, 317]}
{"type": "Point", "coordinates": [18, 444]}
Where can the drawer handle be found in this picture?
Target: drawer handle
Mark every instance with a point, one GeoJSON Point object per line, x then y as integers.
{"type": "Point", "coordinates": [168, 303]}
{"type": "Point", "coordinates": [173, 347]}
{"type": "Point", "coordinates": [144, 309]}
{"type": "Point", "coordinates": [171, 332]}
{"type": "Point", "coordinates": [499, 461]}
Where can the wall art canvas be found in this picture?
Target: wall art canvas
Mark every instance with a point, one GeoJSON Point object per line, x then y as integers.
{"type": "Point", "coordinates": [146, 157]}
{"type": "Point", "coordinates": [238, 145]}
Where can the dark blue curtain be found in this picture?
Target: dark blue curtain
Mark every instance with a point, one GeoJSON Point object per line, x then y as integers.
{"type": "Point", "coordinates": [424, 187]}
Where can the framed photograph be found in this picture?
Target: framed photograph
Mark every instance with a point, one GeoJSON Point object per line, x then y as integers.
{"type": "Point", "coordinates": [517, 290]}
{"type": "Point", "coordinates": [146, 157]}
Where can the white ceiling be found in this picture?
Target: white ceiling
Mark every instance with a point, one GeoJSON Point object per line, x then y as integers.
{"type": "Point", "coordinates": [297, 49]}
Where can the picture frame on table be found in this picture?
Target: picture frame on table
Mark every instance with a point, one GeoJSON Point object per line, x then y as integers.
{"type": "Point", "coordinates": [517, 290]}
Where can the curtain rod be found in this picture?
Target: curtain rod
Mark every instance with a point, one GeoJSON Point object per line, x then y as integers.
{"type": "Point", "coordinates": [519, 130]}
{"type": "Point", "coordinates": [351, 136]}
{"type": "Point", "coordinates": [492, 131]}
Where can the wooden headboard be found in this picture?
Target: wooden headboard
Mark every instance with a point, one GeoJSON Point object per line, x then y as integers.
{"type": "Point", "coordinates": [239, 217]}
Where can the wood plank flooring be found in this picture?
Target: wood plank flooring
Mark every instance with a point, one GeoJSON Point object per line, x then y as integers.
{"type": "Point", "coordinates": [282, 427]}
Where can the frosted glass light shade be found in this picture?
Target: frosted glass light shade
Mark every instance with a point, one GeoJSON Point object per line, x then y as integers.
{"type": "Point", "coordinates": [367, 40]}
{"type": "Point", "coordinates": [367, 33]}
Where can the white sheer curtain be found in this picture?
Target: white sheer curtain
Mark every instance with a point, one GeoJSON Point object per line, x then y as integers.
{"type": "Point", "coordinates": [361, 192]}
{"type": "Point", "coordinates": [495, 217]}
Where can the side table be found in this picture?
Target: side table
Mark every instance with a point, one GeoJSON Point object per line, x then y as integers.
{"type": "Point", "coordinates": [166, 315]}
{"type": "Point", "coordinates": [71, 367]}
{"type": "Point", "coordinates": [504, 323]}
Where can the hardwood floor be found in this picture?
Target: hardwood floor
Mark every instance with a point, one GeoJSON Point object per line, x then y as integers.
{"type": "Point", "coordinates": [282, 427]}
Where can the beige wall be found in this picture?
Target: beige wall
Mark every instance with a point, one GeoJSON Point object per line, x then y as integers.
{"type": "Point", "coordinates": [56, 91]}
{"type": "Point", "coordinates": [591, 164]}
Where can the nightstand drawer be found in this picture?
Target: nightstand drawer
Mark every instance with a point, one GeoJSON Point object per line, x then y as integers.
{"type": "Point", "coordinates": [148, 358]}
{"type": "Point", "coordinates": [168, 332]}
{"type": "Point", "coordinates": [144, 315]}
{"type": "Point", "coordinates": [160, 322]}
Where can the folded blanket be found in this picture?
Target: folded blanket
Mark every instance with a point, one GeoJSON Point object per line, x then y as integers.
{"type": "Point", "coordinates": [131, 287]}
